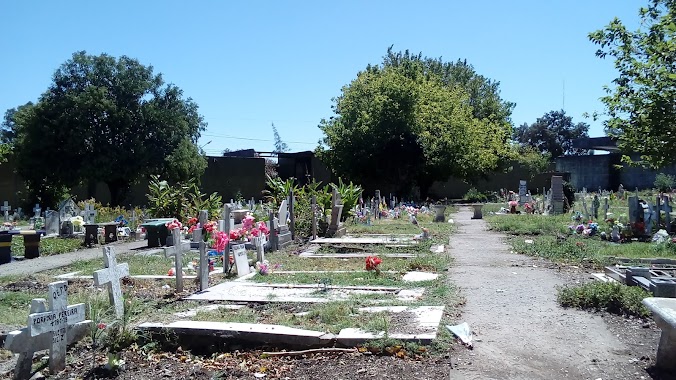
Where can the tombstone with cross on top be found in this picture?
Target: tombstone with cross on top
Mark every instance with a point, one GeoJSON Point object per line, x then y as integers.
{"type": "Point", "coordinates": [111, 276]}
{"type": "Point", "coordinates": [37, 210]}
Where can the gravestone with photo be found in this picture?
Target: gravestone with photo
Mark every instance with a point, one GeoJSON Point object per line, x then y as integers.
{"type": "Point", "coordinates": [110, 276]}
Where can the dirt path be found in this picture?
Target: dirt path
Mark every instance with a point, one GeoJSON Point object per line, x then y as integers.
{"type": "Point", "coordinates": [42, 263]}
{"type": "Point", "coordinates": [520, 331]}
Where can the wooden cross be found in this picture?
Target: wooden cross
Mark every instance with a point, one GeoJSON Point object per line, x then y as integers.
{"type": "Point", "coordinates": [204, 259]}
{"type": "Point", "coordinates": [56, 320]}
{"type": "Point", "coordinates": [5, 208]}
{"type": "Point", "coordinates": [111, 275]}
{"type": "Point", "coordinates": [37, 210]}
{"type": "Point", "coordinates": [177, 252]}
{"type": "Point", "coordinates": [90, 214]}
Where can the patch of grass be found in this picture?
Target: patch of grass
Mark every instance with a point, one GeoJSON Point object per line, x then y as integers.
{"type": "Point", "coordinates": [138, 265]}
{"type": "Point", "coordinates": [529, 224]}
{"type": "Point", "coordinates": [15, 306]}
{"type": "Point", "coordinates": [335, 279]}
{"type": "Point", "coordinates": [612, 297]}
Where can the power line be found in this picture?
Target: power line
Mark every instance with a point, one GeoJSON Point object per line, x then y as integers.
{"type": "Point", "coordinates": [252, 139]}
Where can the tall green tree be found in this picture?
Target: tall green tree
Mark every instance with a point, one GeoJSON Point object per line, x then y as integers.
{"type": "Point", "coordinates": [107, 119]}
{"type": "Point", "coordinates": [405, 125]}
{"type": "Point", "coordinates": [640, 104]}
{"type": "Point", "coordinates": [553, 134]}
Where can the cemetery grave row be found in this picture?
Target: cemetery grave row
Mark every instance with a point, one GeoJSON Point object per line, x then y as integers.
{"type": "Point", "coordinates": [415, 279]}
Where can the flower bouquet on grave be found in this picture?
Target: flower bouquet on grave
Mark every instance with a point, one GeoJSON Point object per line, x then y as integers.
{"type": "Point", "coordinates": [373, 264]}
{"type": "Point", "coordinates": [78, 222]}
{"type": "Point", "coordinates": [512, 206]}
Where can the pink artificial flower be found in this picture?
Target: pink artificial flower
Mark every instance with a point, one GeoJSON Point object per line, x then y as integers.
{"type": "Point", "coordinates": [173, 225]}
{"type": "Point", "coordinates": [263, 227]}
{"type": "Point", "coordinates": [255, 232]}
{"type": "Point", "coordinates": [222, 241]}
{"type": "Point", "coordinates": [235, 234]}
{"type": "Point", "coordinates": [247, 222]}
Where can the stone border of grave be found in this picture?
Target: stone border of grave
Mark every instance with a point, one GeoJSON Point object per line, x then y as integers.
{"type": "Point", "coordinates": [664, 314]}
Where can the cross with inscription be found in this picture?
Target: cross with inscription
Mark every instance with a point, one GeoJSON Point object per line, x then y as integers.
{"type": "Point", "coordinates": [56, 321]}
{"type": "Point", "coordinates": [111, 275]}
{"type": "Point", "coordinates": [37, 210]}
{"type": "Point", "coordinates": [177, 252]}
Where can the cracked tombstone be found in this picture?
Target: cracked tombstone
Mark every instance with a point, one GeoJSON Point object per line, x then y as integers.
{"type": "Point", "coordinates": [177, 252]}
{"type": "Point", "coordinates": [111, 276]}
{"type": "Point", "coordinates": [56, 320]}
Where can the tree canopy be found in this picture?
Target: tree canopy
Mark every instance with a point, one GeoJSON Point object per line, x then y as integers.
{"type": "Point", "coordinates": [106, 119]}
{"type": "Point", "coordinates": [413, 120]}
{"type": "Point", "coordinates": [552, 134]}
{"type": "Point", "coordinates": [640, 105]}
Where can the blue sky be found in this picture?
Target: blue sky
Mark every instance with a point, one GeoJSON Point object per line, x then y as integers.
{"type": "Point", "coordinates": [250, 63]}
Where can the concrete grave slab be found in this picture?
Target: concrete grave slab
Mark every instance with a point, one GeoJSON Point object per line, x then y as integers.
{"type": "Point", "coordinates": [245, 291]}
{"type": "Point", "coordinates": [419, 276]}
{"type": "Point", "coordinates": [193, 312]}
{"type": "Point", "coordinates": [371, 239]}
{"type": "Point", "coordinates": [253, 332]}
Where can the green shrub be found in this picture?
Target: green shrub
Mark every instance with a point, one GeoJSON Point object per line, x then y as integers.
{"type": "Point", "coordinates": [612, 297]}
{"type": "Point", "coordinates": [474, 195]}
{"type": "Point", "coordinates": [664, 182]}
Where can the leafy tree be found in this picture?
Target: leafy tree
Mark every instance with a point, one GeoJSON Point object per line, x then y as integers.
{"type": "Point", "coordinates": [404, 124]}
{"type": "Point", "coordinates": [280, 146]}
{"type": "Point", "coordinates": [640, 105]}
{"type": "Point", "coordinates": [8, 126]}
{"type": "Point", "coordinates": [106, 119]}
{"type": "Point", "coordinates": [533, 160]}
{"type": "Point", "coordinates": [553, 134]}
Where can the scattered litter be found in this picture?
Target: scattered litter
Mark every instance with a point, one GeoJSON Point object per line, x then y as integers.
{"type": "Point", "coordinates": [528, 241]}
{"type": "Point", "coordinates": [166, 286]}
{"type": "Point", "coordinates": [463, 332]}
{"type": "Point", "coordinates": [259, 375]}
{"type": "Point", "coordinates": [451, 221]}
{"type": "Point", "coordinates": [660, 236]}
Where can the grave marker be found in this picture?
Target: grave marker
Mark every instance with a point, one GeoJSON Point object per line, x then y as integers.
{"type": "Point", "coordinates": [523, 189]}
{"type": "Point", "coordinates": [557, 196]}
{"type": "Point", "coordinates": [335, 229]}
{"type": "Point", "coordinates": [90, 214]}
{"type": "Point", "coordinates": [56, 321]}
{"type": "Point", "coordinates": [5, 209]}
{"type": "Point", "coordinates": [284, 235]}
{"type": "Point", "coordinates": [37, 210]}
{"type": "Point", "coordinates": [52, 222]}
{"type": "Point", "coordinates": [225, 225]}
{"type": "Point", "coordinates": [241, 260]}
{"type": "Point", "coordinates": [259, 243]}
{"type": "Point", "coordinates": [596, 203]}
{"type": "Point", "coordinates": [177, 252]}
{"type": "Point", "coordinates": [111, 276]}
{"type": "Point", "coordinates": [204, 259]}
{"type": "Point", "coordinates": [313, 207]}
{"type": "Point", "coordinates": [666, 207]}
{"type": "Point", "coordinates": [605, 208]}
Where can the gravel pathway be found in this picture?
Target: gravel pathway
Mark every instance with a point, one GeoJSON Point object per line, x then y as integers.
{"type": "Point", "coordinates": [519, 329]}
{"type": "Point", "coordinates": [42, 263]}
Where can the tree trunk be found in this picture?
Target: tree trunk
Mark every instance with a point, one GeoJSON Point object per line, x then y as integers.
{"type": "Point", "coordinates": [119, 189]}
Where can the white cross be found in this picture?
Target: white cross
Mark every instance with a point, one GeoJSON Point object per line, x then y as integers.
{"type": "Point", "coordinates": [21, 341]}
{"type": "Point", "coordinates": [56, 321]}
{"type": "Point", "coordinates": [111, 275]}
{"type": "Point", "coordinates": [37, 210]}
{"type": "Point", "coordinates": [177, 252]}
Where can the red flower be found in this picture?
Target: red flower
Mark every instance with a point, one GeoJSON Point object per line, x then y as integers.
{"type": "Point", "coordinates": [101, 326]}
{"type": "Point", "coordinates": [372, 263]}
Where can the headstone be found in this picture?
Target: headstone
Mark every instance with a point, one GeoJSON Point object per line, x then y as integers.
{"type": "Point", "coordinates": [666, 207]}
{"type": "Point", "coordinates": [90, 214]}
{"type": "Point", "coordinates": [259, 243]}
{"type": "Point", "coordinates": [557, 196]}
{"type": "Point", "coordinates": [241, 260]}
{"type": "Point", "coordinates": [226, 225]}
{"type": "Point", "coordinates": [68, 209]}
{"type": "Point", "coordinates": [377, 208]}
{"type": "Point", "coordinates": [605, 208]}
{"type": "Point", "coordinates": [596, 203]}
{"type": "Point", "coordinates": [111, 276]}
{"type": "Point", "coordinates": [584, 208]}
{"type": "Point", "coordinates": [274, 245]}
{"type": "Point", "coordinates": [292, 218]}
{"type": "Point", "coordinates": [284, 234]}
{"type": "Point", "coordinates": [5, 210]}
{"type": "Point", "coordinates": [313, 208]}
{"type": "Point", "coordinates": [177, 252]}
{"type": "Point", "coordinates": [523, 189]}
{"type": "Point", "coordinates": [56, 321]}
{"type": "Point", "coordinates": [52, 223]}
{"type": "Point", "coordinates": [634, 209]}
{"type": "Point", "coordinates": [620, 192]}
{"type": "Point", "coordinates": [37, 210]}
{"type": "Point", "coordinates": [335, 227]}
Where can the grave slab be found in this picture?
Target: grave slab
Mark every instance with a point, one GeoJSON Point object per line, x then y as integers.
{"type": "Point", "coordinates": [193, 312]}
{"type": "Point", "coordinates": [245, 291]}
{"type": "Point", "coordinates": [364, 240]}
{"type": "Point", "coordinates": [419, 276]}
{"type": "Point", "coordinates": [253, 332]}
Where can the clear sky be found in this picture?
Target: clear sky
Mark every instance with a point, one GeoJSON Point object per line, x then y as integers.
{"type": "Point", "coordinates": [250, 63]}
